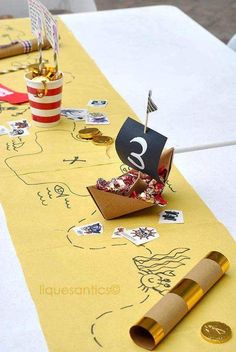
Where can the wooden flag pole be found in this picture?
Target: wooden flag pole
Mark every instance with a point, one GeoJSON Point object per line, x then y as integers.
{"type": "Point", "coordinates": [146, 121]}
{"type": "Point", "coordinates": [40, 42]}
{"type": "Point", "coordinates": [40, 47]}
{"type": "Point", "coordinates": [55, 61]}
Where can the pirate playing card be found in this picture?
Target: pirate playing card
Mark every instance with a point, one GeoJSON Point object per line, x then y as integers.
{"type": "Point", "coordinates": [16, 132]}
{"type": "Point", "coordinates": [90, 229]}
{"type": "Point", "coordinates": [97, 103]}
{"type": "Point", "coordinates": [74, 114]}
{"type": "Point", "coordinates": [97, 118]}
{"type": "Point", "coordinates": [118, 232]}
{"type": "Point", "coordinates": [20, 124]}
{"type": "Point", "coordinates": [141, 235]}
{"type": "Point", "coordinates": [171, 217]}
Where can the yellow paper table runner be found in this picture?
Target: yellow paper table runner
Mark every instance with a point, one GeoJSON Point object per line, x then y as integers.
{"type": "Point", "coordinates": [88, 291]}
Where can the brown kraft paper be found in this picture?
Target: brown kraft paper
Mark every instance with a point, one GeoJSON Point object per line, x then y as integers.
{"type": "Point", "coordinates": [18, 48]}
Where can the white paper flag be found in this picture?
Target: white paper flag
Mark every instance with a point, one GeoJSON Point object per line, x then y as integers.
{"type": "Point", "coordinates": [51, 30]}
{"type": "Point", "coordinates": [35, 14]}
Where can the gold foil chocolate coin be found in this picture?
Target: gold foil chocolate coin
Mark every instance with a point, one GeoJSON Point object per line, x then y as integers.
{"type": "Point", "coordinates": [102, 140]}
{"type": "Point", "coordinates": [89, 133]}
{"type": "Point", "coordinates": [216, 332]}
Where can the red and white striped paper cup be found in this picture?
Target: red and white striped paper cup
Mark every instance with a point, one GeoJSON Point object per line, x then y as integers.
{"type": "Point", "coordinates": [45, 101]}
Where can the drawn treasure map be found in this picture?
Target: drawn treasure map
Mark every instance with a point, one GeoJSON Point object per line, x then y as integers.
{"type": "Point", "coordinates": [89, 290]}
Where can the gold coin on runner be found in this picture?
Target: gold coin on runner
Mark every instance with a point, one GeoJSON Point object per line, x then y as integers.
{"type": "Point", "coordinates": [89, 133]}
{"type": "Point", "coordinates": [216, 332]}
{"type": "Point", "coordinates": [102, 140]}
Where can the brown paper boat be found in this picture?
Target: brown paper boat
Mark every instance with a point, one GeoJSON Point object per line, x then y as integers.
{"type": "Point", "coordinates": [113, 206]}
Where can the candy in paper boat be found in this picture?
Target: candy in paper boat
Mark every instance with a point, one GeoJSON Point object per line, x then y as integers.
{"type": "Point", "coordinates": [143, 152]}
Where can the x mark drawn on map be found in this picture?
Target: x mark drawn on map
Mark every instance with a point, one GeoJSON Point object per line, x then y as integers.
{"type": "Point", "coordinates": [23, 176]}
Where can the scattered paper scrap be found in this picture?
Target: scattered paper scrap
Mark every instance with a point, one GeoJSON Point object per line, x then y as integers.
{"type": "Point", "coordinates": [3, 130]}
{"type": "Point", "coordinates": [90, 229]}
{"type": "Point", "coordinates": [171, 217]}
{"type": "Point", "coordinates": [12, 97]}
{"type": "Point", "coordinates": [118, 232]}
{"type": "Point", "coordinates": [97, 118]}
{"type": "Point", "coordinates": [74, 114]}
{"type": "Point", "coordinates": [97, 103]}
{"type": "Point", "coordinates": [141, 235]}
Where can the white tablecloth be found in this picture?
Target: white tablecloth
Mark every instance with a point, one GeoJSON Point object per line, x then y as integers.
{"type": "Point", "coordinates": [191, 73]}
{"type": "Point", "coordinates": [212, 173]}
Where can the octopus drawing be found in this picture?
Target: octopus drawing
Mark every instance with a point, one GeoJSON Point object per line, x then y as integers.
{"type": "Point", "coordinates": [157, 270]}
